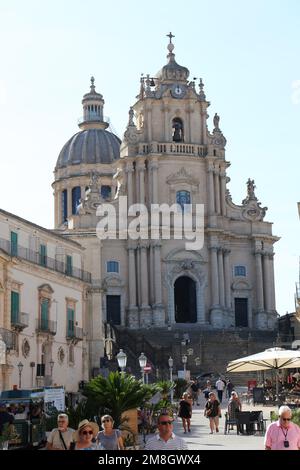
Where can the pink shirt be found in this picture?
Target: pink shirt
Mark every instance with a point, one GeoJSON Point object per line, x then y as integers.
{"type": "Point", "coordinates": [275, 436]}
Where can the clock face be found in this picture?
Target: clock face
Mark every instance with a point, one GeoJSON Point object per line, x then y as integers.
{"type": "Point", "coordinates": [178, 91]}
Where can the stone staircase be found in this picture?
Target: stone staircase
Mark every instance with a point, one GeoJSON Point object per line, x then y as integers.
{"type": "Point", "coordinates": [207, 350]}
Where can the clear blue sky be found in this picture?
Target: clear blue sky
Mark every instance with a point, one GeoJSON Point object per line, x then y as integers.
{"type": "Point", "coordinates": [247, 53]}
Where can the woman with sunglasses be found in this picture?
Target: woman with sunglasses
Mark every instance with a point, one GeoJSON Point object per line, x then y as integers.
{"type": "Point", "coordinates": [109, 438]}
{"type": "Point", "coordinates": [85, 436]}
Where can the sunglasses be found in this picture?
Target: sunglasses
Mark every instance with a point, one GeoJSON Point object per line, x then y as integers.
{"type": "Point", "coordinates": [87, 432]}
{"type": "Point", "coordinates": [286, 419]}
{"type": "Point", "coordinates": [105, 420]}
{"type": "Point", "coordinates": [164, 423]}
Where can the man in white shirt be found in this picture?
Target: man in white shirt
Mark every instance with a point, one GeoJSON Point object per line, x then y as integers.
{"type": "Point", "coordinates": [61, 437]}
{"type": "Point", "coordinates": [165, 439]}
{"type": "Point", "coordinates": [220, 388]}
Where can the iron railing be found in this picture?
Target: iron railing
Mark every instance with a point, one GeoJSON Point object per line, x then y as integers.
{"type": "Point", "coordinates": [45, 261]}
{"type": "Point", "coordinates": [10, 338]}
{"type": "Point", "coordinates": [46, 326]}
{"type": "Point", "coordinates": [20, 320]}
{"type": "Point", "coordinates": [74, 332]}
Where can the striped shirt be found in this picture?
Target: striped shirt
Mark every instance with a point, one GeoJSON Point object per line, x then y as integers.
{"type": "Point", "coordinates": [174, 443]}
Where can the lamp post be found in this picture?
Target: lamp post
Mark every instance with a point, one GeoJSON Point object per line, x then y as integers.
{"type": "Point", "coordinates": [51, 368]}
{"type": "Point", "coordinates": [20, 367]}
{"type": "Point", "coordinates": [143, 362]}
{"type": "Point", "coordinates": [170, 361]}
{"type": "Point", "coordinates": [122, 360]}
{"type": "Point", "coordinates": [184, 361]}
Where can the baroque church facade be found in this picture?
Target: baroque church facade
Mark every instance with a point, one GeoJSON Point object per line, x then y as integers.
{"type": "Point", "coordinates": [168, 155]}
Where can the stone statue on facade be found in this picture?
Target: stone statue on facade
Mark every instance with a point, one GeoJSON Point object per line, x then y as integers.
{"type": "Point", "coordinates": [250, 188]}
{"type": "Point", "coordinates": [216, 121]}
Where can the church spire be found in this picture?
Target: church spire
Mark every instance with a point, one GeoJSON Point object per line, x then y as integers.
{"type": "Point", "coordinates": [93, 104]}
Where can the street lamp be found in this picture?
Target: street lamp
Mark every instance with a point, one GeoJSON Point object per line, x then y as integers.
{"type": "Point", "coordinates": [143, 362]}
{"type": "Point", "coordinates": [51, 368]}
{"type": "Point", "coordinates": [184, 361]}
{"type": "Point", "coordinates": [170, 361]}
{"type": "Point", "coordinates": [122, 359]}
{"type": "Point", "coordinates": [20, 367]}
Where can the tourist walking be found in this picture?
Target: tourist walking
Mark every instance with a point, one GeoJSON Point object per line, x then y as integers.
{"type": "Point", "coordinates": [213, 412]}
{"type": "Point", "coordinates": [60, 438]}
{"type": "Point", "coordinates": [283, 434]}
{"type": "Point", "coordinates": [85, 436]}
{"type": "Point", "coordinates": [220, 388]}
{"type": "Point", "coordinates": [165, 439]}
{"type": "Point", "coordinates": [185, 411]}
{"type": "Point", "coordinates": [109, 438]}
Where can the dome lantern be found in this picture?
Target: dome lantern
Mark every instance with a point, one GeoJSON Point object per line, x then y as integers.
{"type": "Point", "coordinates": [93, 104]}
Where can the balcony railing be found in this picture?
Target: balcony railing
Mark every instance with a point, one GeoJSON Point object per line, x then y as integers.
{"type": "Point", "coordinates": [50, 263]}
{"type": "Point", "coordinates": [20, 321]}
{"type": "Point", "coordinates": [46, 326]}
{"type": "Point", "coordinates": [10, 338]}
{"type": "Point", "coordinates": [193, 150]}
{"type": "Point", "coordinates": [75, 333]}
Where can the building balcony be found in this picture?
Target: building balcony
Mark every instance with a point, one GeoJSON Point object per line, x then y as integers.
{"type": "Point", "coordinates": [180, 148]}
{"type": "Point", "coordinates": [19, 321]}
{"type": "Point", "coordinates": [75, 333]}
{"type": "Point", "coordinates": [10, 339]}
{"type": "Point", "coordinates": [46, 327]}
{"type": "Point", "coordinates": [45, 261]}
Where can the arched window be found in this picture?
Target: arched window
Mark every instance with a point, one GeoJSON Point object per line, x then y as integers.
{"type": "Point", "coordinates": [183, 197]}
{"type": "Point", "coordinates": [105, 191]}
{"type": "Point", "coordinates": [177, 130]}
{"type": "Point", "coordinates": [76, 195]}
{"type": "Point", "coordinates": [64, 205]}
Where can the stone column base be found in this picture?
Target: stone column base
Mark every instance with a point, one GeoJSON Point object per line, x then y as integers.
{"type": "Point", "coordinates": [133, 317]}
{"type": "Point", "coordinates": [261, 320]}
{"type": "Point", "coordinates": [216, 317]}
{"type": "Point", "coordinates": [272, 320]}
{"type": "Point", "coordinates": [159, 317]}
{"type": "Point", "coordinates": [145, 316]}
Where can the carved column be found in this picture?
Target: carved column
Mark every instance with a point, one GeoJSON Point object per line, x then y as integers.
{"type": "Point", "coordinates": [217, 191]}
{"type": "Point", "coordinates": [223, 191]}
{"type": "Point", "coordinates": [141, 171]}
{"type": "Point", "coordinates": [267, 281]}
{"type": "Point", "coordinates": [221, 277]}
{"type": "Point", "coordinates": [167, 124]}
{"type": "Point", "coordinates": [129, 171]}
{"type": "Point", "coordinates": [214, 276]}
{"type": "Point", "coordinates": [273, 298]}
{"type": "Point", "coordinates": [154, 171]}
{"type": "Point", "coordinates": [144, 276]}
{"type": "Point", "coordinates": [157, 274]}
{"type": "Point", "coordinates": [149, 123]}
{"type": "Point", "coordinates": [259, 282]}
{"type": "Point", "coordinates": [57, 210]}
{"type": "Point", "coordinates": [132, 277]}
{"type": "Point", "coordinates": [211, 191]}
{"type": "Point", "coordinates": [69, 201]}
{"type": "Point", "coordinates": [227, 279]}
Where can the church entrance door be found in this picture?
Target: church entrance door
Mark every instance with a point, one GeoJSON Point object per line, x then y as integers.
{"type": "Point", "coordinates": [113, 309]}
{"type": "Point", "coordinates": [241, 312]}
{"type": "Point", "coordinates": [185, 300]}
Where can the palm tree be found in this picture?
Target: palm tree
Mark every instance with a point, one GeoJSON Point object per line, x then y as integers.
{"type": "Point", "coordinates": [165, 387]}
{"type": "Point", "coordinates": [117, 393]}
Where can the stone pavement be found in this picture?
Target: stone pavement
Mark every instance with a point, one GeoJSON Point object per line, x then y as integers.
{"type": "Point", "coordinates": [199, 437]}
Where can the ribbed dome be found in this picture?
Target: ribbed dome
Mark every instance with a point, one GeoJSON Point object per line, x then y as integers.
{"type": "Point", "coordinates": [90, 146]}
{"type": "Point", "coordinates": [173, 71]}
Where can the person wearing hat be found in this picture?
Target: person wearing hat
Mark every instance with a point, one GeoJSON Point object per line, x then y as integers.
{"type": "Point", "coordinates": [85, 435]}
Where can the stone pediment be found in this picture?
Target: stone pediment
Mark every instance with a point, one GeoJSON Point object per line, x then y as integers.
{"type": "Point", "coordinates": [241, 285]}
{"type": "Point", "coordinates": [112, 280]}
{"type": "Point", "coordinates": [182, 176]}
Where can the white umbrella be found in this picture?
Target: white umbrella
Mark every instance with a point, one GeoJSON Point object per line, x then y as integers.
{"type": "Point", "coordinates": [273, 358]}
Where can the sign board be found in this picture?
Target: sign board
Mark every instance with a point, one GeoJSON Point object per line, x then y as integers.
{"type": "Point", "coordinates": [54, 398]}
{"type": "Point", "coordinates": [2, 351]}
{"type": "Point", "coordinates": [186, 375]}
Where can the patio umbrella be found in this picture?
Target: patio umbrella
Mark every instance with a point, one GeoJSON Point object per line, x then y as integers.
{"type": "Point", "coordinates": [272, 359]}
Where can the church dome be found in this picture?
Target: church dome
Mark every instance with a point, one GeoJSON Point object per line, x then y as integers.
{"type": "Point", "coordinates": [90, 146]}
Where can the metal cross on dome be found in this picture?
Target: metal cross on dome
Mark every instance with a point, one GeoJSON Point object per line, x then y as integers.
{"type": "Point", "coordinates": [170, 35]}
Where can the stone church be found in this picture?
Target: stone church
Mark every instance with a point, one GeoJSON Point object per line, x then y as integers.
{"type": "Point", "coordinates": [168, 155]}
